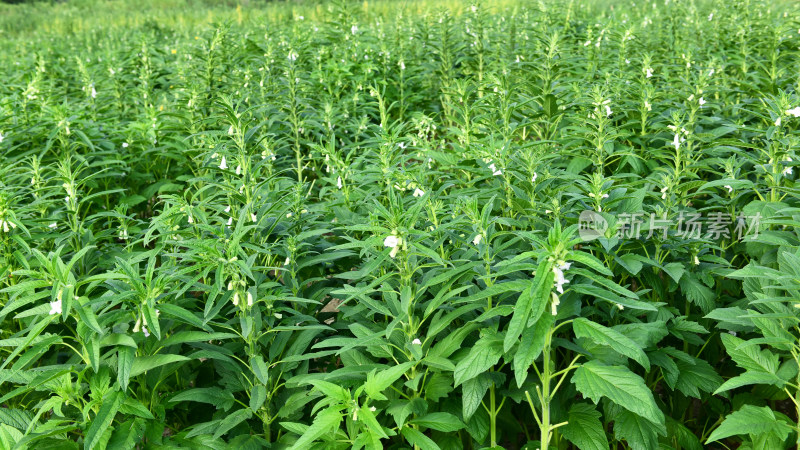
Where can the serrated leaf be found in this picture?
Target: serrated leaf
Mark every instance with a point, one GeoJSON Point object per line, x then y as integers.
{"type": "Point", "coordinates": [638, 432]}
{"type": "Point", "coordinates": [750, 357]}
{"type": "Point", "coordinates": [482, 356]}
{"type": "Point", "coordinates": [325, 422]}
{"type": "Point", "coordinates": [101, 422]}
{"type": "Point", "coordinates": [750, 420]}
{"type": "Point", "coordinates": [418, 439]}
{"type": "Point", "coordinates": [220, 398]}
{"type": "Point", "coordinates": [584, 428]}
{"type": "Point", "coordinates": [142, 364]}
{"type": "Point", "coordinates": [440, 421]}
{"type": "Point", "coordinates": [602, 335]}
{"type": "Point", "coordinates": [531, 346]}
{"type": "Point", "coordinates": [623, 387]}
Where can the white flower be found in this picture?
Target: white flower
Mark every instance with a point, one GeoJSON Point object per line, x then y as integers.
{"type": "Point", "coordinates": [648, 106]}
{"type": "Point", "coordinates": [53, 226]}
{"type": "Point", "coordinates": [648, 72]}
{"type": "Point", "coordinates": [474, 8]}
{"type": "Point", "coordinates": [788, 170]}
{"type": "Point", "coordinates": [288, 260]}
{"type": "Point", "coordinates": [677, 141]}
{"type": "Point", "coordinates": [702, 101]}
{"type": "Point", "coordinates": [1, 137]}
{"type": "Point", "coordinates": [402, 65]}
{"type": "Point", "coordinates": [664, 193]}
{"type": "Point", "coordinates": [559, 279]}
{"type": "Point", "coordinates": [620, 307]}
{"type": "Point", "coordinates": [236, 298]}
{"type": "Point", "coordinates": [373, 409]}
{"type": "Point", "coordinates": [710, 16]}
{"type": "Point", "coordinates": [554, 304]}
{"type": "Point", "coordinates": [478, 238]}
{"type": "Point", "coordinates": [230, 221]}
{"type": "Point", "coordinates": [249, 299]}
{"type": "Point", "coordinates": [292, 55]}
{"type": "Point", "coordinates": [418, 192]}
{"type": "Point", "coordinates": [696, 260]}
{"type": "Point", "coordinates": [339, 182]}
{"type": "Point", "coordinates": [124, 145]}
{"type": "Point", "coordinates": [729, 188]}
{"type": "Point", "coordinates": [793, 112]}
{"type": "Point", "coordinates": [145, 332]}
{"type": "Point", "coordinates": [627, 61]}
{"type": "Point", "coordinates": [238, 170]}
{"type": "Point", "coordinates": [391, 241]}
{"type": "Point", "coordinates": [394, 242]}
{"type": "Point", "coordinates": [354, 29]}
{"type": "Point", "coordinates": [253, 217]}
{"type": "Point", "coordinates": [778, 122]}
{"type": "Point", "coordinates": [535, 176]}
{"type": "Point", "coordinates": [608, 111]}
{"type": "Point", "coordinates": [94, 92]}
{"type": "Point", "coordinates": [191, 220]}
{"type": "Point", "coordinates": [55, 307]}
{"type": "Point", "coordinates": [223, 164]}
{"type": "Point", "coordinates": [416, 342]}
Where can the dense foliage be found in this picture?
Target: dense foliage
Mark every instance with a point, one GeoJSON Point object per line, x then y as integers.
{"type": "Point", "coordinates": [552, 224]}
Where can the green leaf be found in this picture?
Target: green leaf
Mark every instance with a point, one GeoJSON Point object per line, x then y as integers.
{"type": "Point", "coordinates": [584, 428]}
{"type": "Point", "coordinates": [620, 343]}
{"type": "Point", "coordinates": [259, 368]}
{"type": "Point", "coordinates": [258, 395]}
{"type": "Point", "coordinates": [144, 363]}
{"type": "Point", "coordinates": [751, 420]}
{"type": "Point", "coordinates": [440, 421]}
{"type": "Point", "coordinates": [103, 419]}
{"type": "Point", "coordinates": [220, 398]}
{"type": "Point", "coordinates": [231, 421]}
{"type": "Point", "coordinates": [750, 357]}
{"type": "Point", "coordinates": [125, 358]}
{"type": "Point", "coordinates": [325, 423]}
{"type": "Point", "coordinates": [530, 305]}
{"type": "Point", "coordinates": [377, 382]}
{"type": "Point", "coordinates": [638, 432]}
{"type": "Point", "coordinates": [748, 378]}
{"type": "Point", "coordinates": [481, 357]}
{"type": "Point", "coordinates": [531, 346]}
{"type": "Point", "coordinates": [472, 393]}
{"type": "Point", "coordinates": [416, 438]}
{"type": "Point", "coordinates": [127, 434]}
{"type": "Point", "coordinates": [623, 387]}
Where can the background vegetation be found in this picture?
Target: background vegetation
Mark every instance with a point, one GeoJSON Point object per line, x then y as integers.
{"type": "Point", "coordinates": [354, 225]}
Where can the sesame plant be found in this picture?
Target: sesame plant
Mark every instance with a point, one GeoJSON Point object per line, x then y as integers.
{"type": "Point", "coordinates": [425, 224]}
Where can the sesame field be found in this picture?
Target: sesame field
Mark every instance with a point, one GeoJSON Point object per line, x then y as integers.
{"type": "Point", "coordinates": [421, 224]}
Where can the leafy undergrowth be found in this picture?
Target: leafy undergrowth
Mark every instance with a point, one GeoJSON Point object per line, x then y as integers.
{"type": "Point", "coordinates": [427, 224]}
